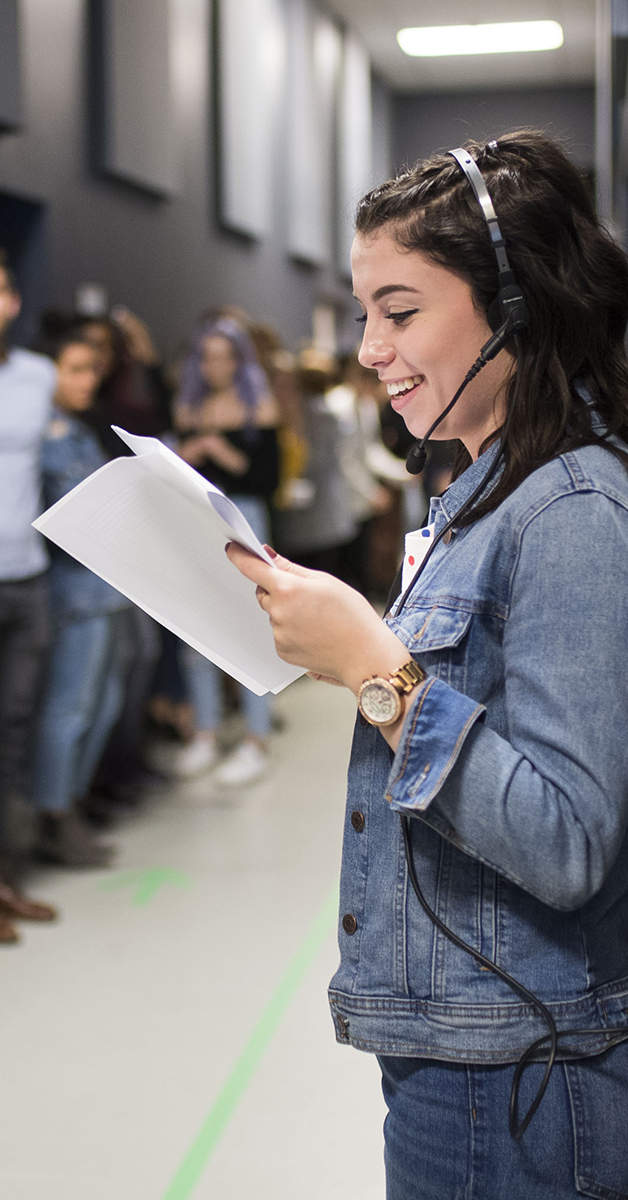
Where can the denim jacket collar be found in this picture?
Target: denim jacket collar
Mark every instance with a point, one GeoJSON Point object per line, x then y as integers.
{"type": "Point", "coordinates": [459, 491]}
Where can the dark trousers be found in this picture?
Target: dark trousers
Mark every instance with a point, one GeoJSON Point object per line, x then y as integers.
{"type": "Point", "coordinates": [24, 636]}
{"type": "Point", "coordinates": [124, 751]}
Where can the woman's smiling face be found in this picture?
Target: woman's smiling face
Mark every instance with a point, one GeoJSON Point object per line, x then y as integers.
{"type": "Point", "coordinates": [422, 334]}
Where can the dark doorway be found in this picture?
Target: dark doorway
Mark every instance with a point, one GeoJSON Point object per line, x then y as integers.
{"type": "Point", "coordinates": [23, 236]}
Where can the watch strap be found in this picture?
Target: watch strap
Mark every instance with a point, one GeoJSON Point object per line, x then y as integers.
{"type": "Point", "coordinates": [405, 678]}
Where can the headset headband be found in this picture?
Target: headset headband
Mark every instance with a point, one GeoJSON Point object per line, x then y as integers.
{"type": "Point", "coordinates": [474, 175]}
{"type": "Point", "coordinates": [511, 299]}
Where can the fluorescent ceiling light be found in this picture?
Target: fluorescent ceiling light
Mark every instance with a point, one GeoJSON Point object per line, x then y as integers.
{"type": "Point", "coordinates": [505, 38]}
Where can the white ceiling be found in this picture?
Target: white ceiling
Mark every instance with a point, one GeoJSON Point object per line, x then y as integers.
{"type": "Point", "coordinates": [377, 21]}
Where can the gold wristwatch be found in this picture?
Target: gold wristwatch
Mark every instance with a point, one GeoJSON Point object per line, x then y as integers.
{"type": "Point", "coordinates": [379, 700]}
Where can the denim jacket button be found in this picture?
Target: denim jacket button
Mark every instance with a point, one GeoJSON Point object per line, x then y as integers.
{"type": "Point", "coordinates": [349, 924]}
{"type": "Point", "coordinates": [357, 820]}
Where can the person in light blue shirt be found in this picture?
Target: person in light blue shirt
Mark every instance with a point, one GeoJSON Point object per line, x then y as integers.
{"type": "Point", "coordinates": [484, 893]}
{"type": "Point", "coordinates": [27, 383]}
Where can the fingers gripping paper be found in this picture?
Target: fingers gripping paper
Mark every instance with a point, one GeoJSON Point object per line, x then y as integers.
{"type": "Point", "coordinates": [156, 530]}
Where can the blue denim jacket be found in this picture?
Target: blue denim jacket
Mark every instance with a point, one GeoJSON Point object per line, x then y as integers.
{"type": "Point", "coordinates": [71, 452]}
{"type": "Point", "coordinates": [513, 764]}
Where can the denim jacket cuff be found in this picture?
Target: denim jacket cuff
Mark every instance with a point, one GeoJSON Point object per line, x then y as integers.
{"type": "Point", "coordinates": [433, 735]}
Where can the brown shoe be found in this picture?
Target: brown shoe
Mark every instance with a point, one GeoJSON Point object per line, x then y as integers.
{"type": "Point", "coordinates": [14, 904]}
{"type": "Point", "coordinates": [8, 935]}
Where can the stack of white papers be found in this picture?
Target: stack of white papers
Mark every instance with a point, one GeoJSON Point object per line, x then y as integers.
{"type": "Point", "coordinates": [156, 530]}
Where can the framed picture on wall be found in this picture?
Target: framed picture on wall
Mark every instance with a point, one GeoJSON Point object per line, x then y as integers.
{"type": "Point", "coordinates": [315, 53]}
{"type": "Point", "coordinates": [249, 64]}
{"type": "Point", "coordinates": [355, 141]}
{"type": "Point", "coordinates": [131, 82]}
{"type": "Point", "coordinates": [11, 92]}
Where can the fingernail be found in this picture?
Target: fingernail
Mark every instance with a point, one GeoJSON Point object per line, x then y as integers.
{"type": "Point", "coordinates": [269, 550]}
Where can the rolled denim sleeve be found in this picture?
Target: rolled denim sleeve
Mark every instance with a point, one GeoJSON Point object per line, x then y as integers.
{"type": "Point", "coordinates": [546, 805]}
{"type": "Point", "coordinates": [434, 732]}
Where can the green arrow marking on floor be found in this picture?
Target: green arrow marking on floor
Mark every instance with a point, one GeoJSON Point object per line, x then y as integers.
{"type": "Point", "coordinates": [246, 1065]}
{"type": "Point", "coordinates": [148, 882]}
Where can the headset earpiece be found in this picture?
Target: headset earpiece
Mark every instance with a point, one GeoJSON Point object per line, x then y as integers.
{"type": "Point", "coordinates": [508, 308]}
{"type": "Point", "coordinates": [494, 315]}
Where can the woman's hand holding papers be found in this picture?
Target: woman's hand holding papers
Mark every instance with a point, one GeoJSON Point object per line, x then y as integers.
{"type": "Point", "coordinates": [320, 623]}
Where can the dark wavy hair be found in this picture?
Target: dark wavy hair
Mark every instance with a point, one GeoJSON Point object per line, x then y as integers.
{"type": "Point", "coordinates": [573, 275]}
{"type": "Point", "coordinates": [57, 330]}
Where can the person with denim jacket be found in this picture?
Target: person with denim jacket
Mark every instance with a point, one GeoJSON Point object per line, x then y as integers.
{"type": "Point", "coordinates": [485, 935]}
{"type": "Point", "coordinates": [83, 689]}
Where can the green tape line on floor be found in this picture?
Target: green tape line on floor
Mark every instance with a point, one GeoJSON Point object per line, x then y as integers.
{"type": "Point", "coordinates": [229, 1097]}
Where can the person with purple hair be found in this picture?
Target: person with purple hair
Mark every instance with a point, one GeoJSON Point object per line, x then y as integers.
{"type": "Point", "coordinates": [227, 422]}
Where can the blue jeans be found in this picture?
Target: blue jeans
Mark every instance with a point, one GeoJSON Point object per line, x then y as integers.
{"type": "Point", "coordinates": [81, 701]}
{"type": "Point", "coordinates": [447, 1138]}
{"type": "Point", "coordinates": [203, 678]}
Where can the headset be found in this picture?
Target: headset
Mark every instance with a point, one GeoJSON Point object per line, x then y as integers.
{"type": "Point", "coordinates": [508, 312]}
{"type": "Point", "coordinates": [510, 308]}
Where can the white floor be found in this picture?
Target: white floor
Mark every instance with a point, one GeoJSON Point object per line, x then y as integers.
{"type": "Point", "coordinates": [161, 1049]}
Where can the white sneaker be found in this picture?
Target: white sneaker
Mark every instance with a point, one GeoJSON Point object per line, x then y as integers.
{"type": "Point", "coordinates": [199, 755]}
{"type": "Point", "coordinates": [244, 765]}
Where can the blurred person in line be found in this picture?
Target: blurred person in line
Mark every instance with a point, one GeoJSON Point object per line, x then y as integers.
{"type": "Point", "coordinates": [169, 708]}
{"type": "Point", "coordinates": [133, 391]}
{"type": "Point", "coordinates": [354, 404]}
{"type": "Point", "coordinates": [227, 423]}
{"type": "Point", "coordinates": [282, 370]}
{"type": "Point", "coordinates": [315, 524]}
{"type": "Point", "coordinates": [27, 384]}
{"type": "Point", "coordinates": [135, 394]}
{"type": "Point", "coordinates": [83, 687]}
{"type": "Point", "coordinates": [282, 373]}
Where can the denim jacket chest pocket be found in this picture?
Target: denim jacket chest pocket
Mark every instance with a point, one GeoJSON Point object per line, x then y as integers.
{"type": "Point", "coordinates": [438, 636]}
{"type": "Point", "coordinates": [459, 639]}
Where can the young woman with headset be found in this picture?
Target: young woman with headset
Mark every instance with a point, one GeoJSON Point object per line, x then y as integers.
{"type": "Point", "coordinates": [484, 893]}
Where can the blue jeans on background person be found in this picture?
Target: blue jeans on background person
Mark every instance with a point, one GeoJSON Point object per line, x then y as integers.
{"type": "Point", "coordinates": [82, 699]}
{"type": "Point", "coordinates": [203, 678]}
{"type": "Point", "coordinates": [447, 1136]}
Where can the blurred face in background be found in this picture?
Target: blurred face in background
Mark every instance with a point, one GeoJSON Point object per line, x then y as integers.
{"type": "Point", "coordinates": [78, 377]}
{"type": "Point", "coordinates": [218, 362]}
{"type": "Point", "coordinates": [100, 337]}
{"type": "Point", "coordinates": [9, 302]}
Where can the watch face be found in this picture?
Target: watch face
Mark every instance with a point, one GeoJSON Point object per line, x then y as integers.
{"type": "Point", "coordinates": [380, 702]}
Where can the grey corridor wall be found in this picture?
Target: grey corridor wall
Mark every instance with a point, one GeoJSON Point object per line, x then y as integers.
{"type": "Point", "coordinates": [429, 122]}
{"type": "Point", "coordinates": [167, 260]}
